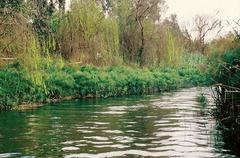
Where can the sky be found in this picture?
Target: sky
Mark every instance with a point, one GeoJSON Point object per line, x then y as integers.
{"type": "Point", "coordinates": [186, 10]}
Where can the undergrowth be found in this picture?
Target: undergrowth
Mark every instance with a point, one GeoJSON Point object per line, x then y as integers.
{"type": "Point", "coordinates": [59, 80]}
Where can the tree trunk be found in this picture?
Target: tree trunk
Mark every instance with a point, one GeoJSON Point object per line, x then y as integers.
{"type": "Point", "coordinates": [140, 58]}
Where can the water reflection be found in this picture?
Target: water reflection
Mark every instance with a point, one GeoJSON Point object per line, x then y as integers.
{"type": "Point", "coordinates": [170, 125]}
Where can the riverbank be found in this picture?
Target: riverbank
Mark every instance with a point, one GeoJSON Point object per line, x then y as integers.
{"type": "Point", "coordinates": [54, 82]}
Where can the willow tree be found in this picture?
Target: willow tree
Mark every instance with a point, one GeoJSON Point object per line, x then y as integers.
{"type": "Point", "coordinates": [145, 9]}
{"type": "Point", "coordinates": [86, 35]}
{"type": "Point", "coordinates": [9, 10]}
{"type": "Point", "coordinates": [134, 16]}
{"type": "Point", "coordinates": [13, 28]}
{"type": "Point", "coordinates": [43, 10]}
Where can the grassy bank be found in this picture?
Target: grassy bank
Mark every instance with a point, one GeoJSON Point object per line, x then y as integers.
{"type": "Point", "coordinates": [56, 80]}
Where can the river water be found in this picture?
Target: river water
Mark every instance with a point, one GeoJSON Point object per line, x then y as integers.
{"type": "Point", "coordinates": [166, 126]}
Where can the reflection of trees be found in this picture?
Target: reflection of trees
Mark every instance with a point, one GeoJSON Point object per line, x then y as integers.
{"type": "Point", "coordinates": [226, 139]}
{"type": "Point", "coordinates": [13, 129]}
{"type": "Point", "coordinates": [58, 123]}
{"type": "Point", "coordinates": [39, 132]}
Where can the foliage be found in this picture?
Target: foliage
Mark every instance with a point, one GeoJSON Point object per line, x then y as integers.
{"type": "Point", "coordinates": [48, 43]}
{"type": "Point", "coordinates": [95, 32]}
{"type": "Point", "coordinates": [8, 8]}
{"type": "Point", "coordinates": [226, 69]}
{"type": "Point", "coordinates": [202, 100]}
{"type": "Point", "coordinates": [222, 44]}
{"type": "Point", "coordinates": [16, 35]}
{"type": "Point", "coordinates": [56, 80]}
{"type": "Point", "coordinates": [15, 88]}
{"type": "Point", "coordinates": [85, 35]}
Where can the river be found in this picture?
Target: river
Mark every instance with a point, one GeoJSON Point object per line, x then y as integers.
{"type": "Point", "coordinates": [166, 126]}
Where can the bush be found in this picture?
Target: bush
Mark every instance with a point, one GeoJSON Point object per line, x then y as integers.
{"type": "Point", "coordinates": [14, 88]}
{"type": "Point", "coordinates": [226, 68]}
{"type": "Point", "coordinates": [60, 81]}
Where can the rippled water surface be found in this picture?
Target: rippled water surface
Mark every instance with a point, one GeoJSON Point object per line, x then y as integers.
{"type": "Point", "coordinates": [164, 126]}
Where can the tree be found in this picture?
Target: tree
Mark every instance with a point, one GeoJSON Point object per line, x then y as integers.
{"type": "Point", "coordinates": [173, 41]}
{"type": "Point", "coordinates": [237, 29]}
{"type": "Point", "coordinates": [134, 16]}
{"type": "Point", "coordinates": [223, 43]}
{"type": "Point", "coordinates": [85, 35]}
{"type": "Point", "coordinates": [203, 26]}
{"type": "Point", "coordinates": [10, 7]}
{"type": "Point", "coordinates": [14, 28]}
{"type": "Point", "coordinates": [8, 13]}
{"type": "Point", "coordinates": [44, 10]}
{"type": "Point", "coordinates": [145, 9]}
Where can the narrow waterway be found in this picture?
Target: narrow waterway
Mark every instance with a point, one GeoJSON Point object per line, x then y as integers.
{"type": "Point", "coordinates": [165, 126]}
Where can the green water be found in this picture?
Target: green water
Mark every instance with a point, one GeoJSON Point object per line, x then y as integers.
{"type": "Point", "coordinates": [167, 125]}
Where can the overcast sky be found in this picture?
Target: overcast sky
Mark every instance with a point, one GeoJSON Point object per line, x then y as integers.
{"type": "Point", "coordinates": [186, 10]}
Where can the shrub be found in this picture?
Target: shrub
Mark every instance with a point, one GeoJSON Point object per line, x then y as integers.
{"type": "Point", "coordinates": [14, 88]}
{"type": "Point", "coordinates": [60, 80]}
{"type": "Point", "coordinates": [227, 68]}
